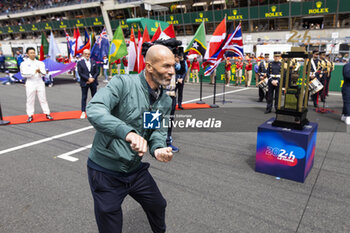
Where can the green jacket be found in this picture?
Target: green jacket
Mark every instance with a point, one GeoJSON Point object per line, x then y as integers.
{"type": "Point", "coordinates": [118, 109]}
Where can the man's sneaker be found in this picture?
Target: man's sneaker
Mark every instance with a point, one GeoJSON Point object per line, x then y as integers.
{"type": "Point", "coordinates": [48, 116]}
{"type": "Point", "coordinates": [83, 115]}
{"type": "Point", "coordinates": [347, 120]}
{"type": "Point", "coordinates": [30, 119]}
{"type": "Point", "coordinates": [175, 149]}
{"type": "Point", "coordinates": [342, 117]}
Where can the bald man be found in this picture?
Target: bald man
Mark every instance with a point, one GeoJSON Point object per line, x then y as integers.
{"type": "Point", "coordinates": [88, 72]}
{"type": "Point", "coordinates": [127, 116]}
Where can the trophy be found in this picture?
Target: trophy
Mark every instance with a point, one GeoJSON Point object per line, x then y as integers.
{"type": "Point", "coordinates": [292, 110]}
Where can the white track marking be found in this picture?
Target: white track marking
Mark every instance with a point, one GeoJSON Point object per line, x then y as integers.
{"type": "Point", "coordinates": [219, 94]}
{"type": "Point", "coordinates": [67, 156]}
{"type": "Point", "coordinates": [90, 127]}
{"type": "Point", "coordinates": [45, 140]}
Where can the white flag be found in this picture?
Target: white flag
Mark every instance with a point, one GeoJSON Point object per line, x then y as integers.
{"type": "Point", "coordinates": [53, 48]}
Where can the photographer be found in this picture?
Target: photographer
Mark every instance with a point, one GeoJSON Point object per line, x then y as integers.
{"type": "Point", "coordinates": [115, 169]}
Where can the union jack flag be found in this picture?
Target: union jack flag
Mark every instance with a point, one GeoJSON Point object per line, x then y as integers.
{"type": "Point", "coordinates": [103, 35]}
{"type": "Point", "coordinates": [233, 43]}
{"type": "Point", "coordinates": [70, 43]}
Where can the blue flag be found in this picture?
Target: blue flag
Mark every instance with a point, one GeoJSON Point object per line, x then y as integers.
{"type": "Point", "coordinates": [101, 47]}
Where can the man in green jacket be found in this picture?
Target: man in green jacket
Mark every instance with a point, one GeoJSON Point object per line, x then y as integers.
{"type": "Point", "coordinates": [118, 112]}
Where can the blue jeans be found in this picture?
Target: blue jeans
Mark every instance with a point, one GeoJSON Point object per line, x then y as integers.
{"type": "Point", "coordinates": [105, 73]}
{"type": "Point", "coordinates": [109, 191]}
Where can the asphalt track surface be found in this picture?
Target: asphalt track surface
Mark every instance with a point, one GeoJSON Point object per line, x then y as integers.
{"type": "Point", "coordinates": [210, 185]}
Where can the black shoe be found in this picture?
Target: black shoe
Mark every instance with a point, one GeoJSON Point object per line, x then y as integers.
{"type": "Point", "coordinates": [260, 100]}
{"type": "Point", "coordinates": [180, 107]}
{"type": "Point", "coordinates": [316, 105]}
{"type": "Point", "coordinates": [267, 111]}
{"type": "Point", "coordinates": [48, 116]}
{"type": "Point", "coordinates": [30, 119]}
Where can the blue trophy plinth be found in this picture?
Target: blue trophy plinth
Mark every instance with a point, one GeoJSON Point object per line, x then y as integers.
{"type": "Point", "coordinates": [284, 152]}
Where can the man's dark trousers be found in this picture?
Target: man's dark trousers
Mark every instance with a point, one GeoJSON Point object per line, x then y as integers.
{"type": "Point", "coordinates": [109, 191]}
{"type": "Point", "coordinates": [2, 66]}
{"type": "Point", "coordinates": [84, 92]}
{"type": "Point", "coordinates": [272, 94]}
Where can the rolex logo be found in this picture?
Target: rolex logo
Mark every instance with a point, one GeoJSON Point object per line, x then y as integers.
{"type": "Point", "coordinates": [96, 19]}
{"type": "Point", "coordinates": [234, 12]}
{"type": "Point", "coordinates": [61, 23]}
{"type": "Point", "coordinates": [201, 15]}
{"type": "Point", "coordinates": [78, 21]}
{"type": "Point", "coordinates": [33, 26]}
{"type": "Point", "coordinates": [123, 22]}
{"type": "Point", "coordinates": [171, 17]}
{"type": "Point", "coordinates": [318, 4]}
{"type": "Point", "coordinates": [273, 8]}
{"type": "Point", "coordinates": [47, 25]}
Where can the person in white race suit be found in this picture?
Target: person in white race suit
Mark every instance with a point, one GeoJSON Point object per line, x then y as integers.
{"type": "Point", "coordinates": [33, 70]}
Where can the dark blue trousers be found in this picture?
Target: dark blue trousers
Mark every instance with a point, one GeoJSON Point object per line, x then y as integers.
{"type": "Point", "coordinates": [109, 191]}
{"type": "Point", "coordinates": [84, 94]}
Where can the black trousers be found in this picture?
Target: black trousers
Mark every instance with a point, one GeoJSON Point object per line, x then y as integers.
{"type": "Point", "coordinates": [172, 112]}
{"type": "Point", "coordinates": [272, 94]}
{"type": "Point", "coordinates": [321, 93]}
{"type": "Point", "coordinates": [2, 66]}
{"type": "Point", "coordinates": [180, 89]}
{"type": "Point", "coordinates": [84, 94]}
{"type": "Point", "coordinates": [262, 94]}
{"type": "Point", "coordinates": [346, 99]}
{"type": "Point", "coordinates": [109, 191]}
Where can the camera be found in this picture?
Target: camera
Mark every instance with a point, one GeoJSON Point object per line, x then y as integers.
{"type": "Point", "coordinates": [172, 44]}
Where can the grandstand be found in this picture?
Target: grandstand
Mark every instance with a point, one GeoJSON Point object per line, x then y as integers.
{"type": "Point", "coordinates": [326, 22]}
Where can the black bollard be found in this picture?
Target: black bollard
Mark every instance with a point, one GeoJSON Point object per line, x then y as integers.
{"type": "Point", "coordinates": [223, 95]}
{"type": "Point", "coordinates": [200, 91]}
{"type": "Point", "coordinates": [2, 122]}
{"type": "Point", "coordinates": [214, 105]}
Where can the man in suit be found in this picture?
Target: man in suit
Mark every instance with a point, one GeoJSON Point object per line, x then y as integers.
{"type": "Point", "coordinates": [88, 73]}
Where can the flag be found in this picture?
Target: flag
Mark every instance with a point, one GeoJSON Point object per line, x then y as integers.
{"type": "Point", "coordinates": [78, 41]}
{"type": "Point", "coordinates": [132, 53]}
{"type": "Point", "coordinates": [44, 48]}
{"type": "Point", "coordinates": [141, 40]}
{"type": "Point", "coordinates": [53, 48]}
{"type": "Point", "coordinates": [70, 44]}
{"type": "Point", "coordinates": [117, 48]}
{"type": "Point", "coordinates": [233, 43]}
{"type": "Point", "coordinates": [198, 44]}
{"type": "Point", "coordinates": [157, 34]}
{"type": "Point", "coordinates": [216, 40]}
{"type": "Point", "coordinates": [87, 43]}
{"type": "Point", "coordinates": [168, 33]}
{"type": "Point", "coordinates": [93, 40]}
{"type": "Point", "coordinates": [101, 47]}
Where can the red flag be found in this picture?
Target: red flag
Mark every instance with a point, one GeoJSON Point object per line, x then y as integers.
{"type": "Point", "coordinates": [169, 32]}
{"type": "Point", "coordinates": [156, 34]}
{"type": "Point", "coordinates": [78, 41]}
{"type": "Point", "coordinates": [132, 53]}
{"type": "Point", "coordinates": [86, 43]}
{"type": "Point", "coordinates": [141, 40]}
{"type": "Point", "coordinates": [216, 40]}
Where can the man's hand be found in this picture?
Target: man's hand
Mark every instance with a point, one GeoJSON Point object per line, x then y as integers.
{"type": "Point", "coordinates": [90, 80]}
{"type": "Point", "coordinates": [274, 82]}
{"type": "Point", "coordinates": [164, 154]}
{"type": "Point", "coordinates": [137, 143]}
{"type": "Point", "coordinates": [37, 70]}
{"type": "Point", "coordinates": [180, 80]}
